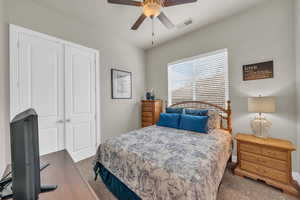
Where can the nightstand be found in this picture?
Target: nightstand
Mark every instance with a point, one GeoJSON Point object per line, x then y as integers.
{"type": "Point", "coordinates": [268, 160]}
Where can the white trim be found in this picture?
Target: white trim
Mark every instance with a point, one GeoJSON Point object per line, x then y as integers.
{"type": "Point", "coordinates": [296, 177]}
{"type": "Point", "coordinates": [234, 159]}
{"type": "Point", "coordinates": [15, 30]}
{"type": "Point", "coordinates": [13, 65]}
{"type": "Point", "coordinates": [78, 157]}
{"type": "Point", "coordinates": [199, 56]}
{"type": "Point", "coordinates": [169, 87]}
{"type": "Point", "coordinates": [98, 99]}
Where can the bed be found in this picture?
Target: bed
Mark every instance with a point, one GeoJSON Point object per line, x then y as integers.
{"type": "Point", "coordinates": [165, 163]}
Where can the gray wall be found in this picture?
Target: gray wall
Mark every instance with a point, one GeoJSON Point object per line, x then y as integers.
{"type": "Point", "coordinates": [117, 116]}
{"type": "Point", "coordinates": [4, 97]}
{"type": "Point", "coordinates": [260, 34]}
{"type": "Point", "coordinates": [297, 55]}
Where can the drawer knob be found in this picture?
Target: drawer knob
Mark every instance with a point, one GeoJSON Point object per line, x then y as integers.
{"type": "Point", "coordinates": [260, 170]}
{"type": "Point", "coordinates": [271, 153]}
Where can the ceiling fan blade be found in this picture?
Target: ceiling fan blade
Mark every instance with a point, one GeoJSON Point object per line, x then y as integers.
{"type": "Point", "coordinates": [138, 22]}
{"type": "Point", "coordinates": [169, 3]}
{"type": "Point", "coordinates": [126, 2]}
{"type": "Point", "coordinates": [165, 20]}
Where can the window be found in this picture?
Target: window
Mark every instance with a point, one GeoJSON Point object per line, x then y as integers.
{"type": "Point", "coordinates": [201, 78]}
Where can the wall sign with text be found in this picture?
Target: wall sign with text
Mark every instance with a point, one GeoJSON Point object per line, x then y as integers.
{"type": "Point", "coordinates": [258, 71]}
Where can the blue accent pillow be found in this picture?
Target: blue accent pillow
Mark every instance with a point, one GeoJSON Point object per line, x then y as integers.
{"type": "Point", "coordinates": [170, 120]}
{"type": "Point", "coordinates": [194, 123]}
{"type": "Point", "coordinates": [196, 112]}
{"type": "Point", "coordinates": [174, 110]}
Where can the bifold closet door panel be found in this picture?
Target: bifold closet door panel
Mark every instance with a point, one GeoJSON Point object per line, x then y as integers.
{"type": "Point", "coordinates": [80, 95]}
{"type": "Point", "coordinates": [40, 81]}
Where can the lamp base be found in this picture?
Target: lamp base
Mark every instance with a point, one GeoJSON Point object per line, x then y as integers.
{"type": "Point", "coordinates": [261, 127]}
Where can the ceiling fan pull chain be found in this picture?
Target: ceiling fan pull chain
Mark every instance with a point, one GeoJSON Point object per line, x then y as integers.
{"type": "Point", "coordinates": [153, 31]}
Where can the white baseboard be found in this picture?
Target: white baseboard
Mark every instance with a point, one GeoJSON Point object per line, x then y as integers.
{"type": "Point", "coordinates": [234, 159]}
{"type": "Point", "coordinates": [296, 175]}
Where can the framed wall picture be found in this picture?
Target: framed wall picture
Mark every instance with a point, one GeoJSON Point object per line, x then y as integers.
{"type": "Point", "coordinates": [121, 84]}
{"type": "Point", "coordinates": [258, 71]}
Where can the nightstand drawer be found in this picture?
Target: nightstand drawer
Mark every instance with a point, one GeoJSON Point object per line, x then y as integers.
{"type": "Point", "coordinates": [274, 153]}
{"type": "Point", "coordinates": [267, 159]}
{"type": "Point", "coordinates": [250, 148]}
{"type": "Point", "coordinates": [264, 171]}
{"type": "Point", "coordinates": [261, 160]}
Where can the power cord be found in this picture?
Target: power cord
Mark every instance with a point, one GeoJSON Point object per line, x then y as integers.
{"type": "Point", "coordinates": [9, 173]}
{"type": "Point", "coordinates": [4, 183]}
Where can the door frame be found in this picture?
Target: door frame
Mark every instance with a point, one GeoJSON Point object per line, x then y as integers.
{"type": "Point", "coordinates": [14, 31]}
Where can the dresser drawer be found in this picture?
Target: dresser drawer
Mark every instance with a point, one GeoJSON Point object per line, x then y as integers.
{"type": "Point", "coordinates": [250, 148]}
{"type": "Point", "coordinates": [147, 114]}
{"type": "Point", "coordinates": [264, 171]}
{"type": "Point", "coordinates": [268, 162]}
{"type": "Point", "coordinates": [148, 103]}
{"type": "Point", "coordinates": [145, 124]}
{"type": "Point", "coordinates": [147, 108]}
{"type": "Point", "coordinates": [274, 153]}
{"type": "Point", "coordinates": [147, 119]}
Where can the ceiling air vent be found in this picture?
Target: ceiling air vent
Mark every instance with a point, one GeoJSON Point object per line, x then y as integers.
{"type": "Point", "coordinates": [185, 23]}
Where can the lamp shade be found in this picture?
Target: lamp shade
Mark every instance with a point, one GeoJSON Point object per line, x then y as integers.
{"type": "Point", "coordinates": [262, 104]}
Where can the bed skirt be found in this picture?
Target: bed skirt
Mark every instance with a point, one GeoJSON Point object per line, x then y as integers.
{"type": "Point", "coordinates": [115, 186]}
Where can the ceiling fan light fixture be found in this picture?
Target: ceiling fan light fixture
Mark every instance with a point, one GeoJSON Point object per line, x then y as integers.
{"type": "Point", "coordinates": [152, 8]}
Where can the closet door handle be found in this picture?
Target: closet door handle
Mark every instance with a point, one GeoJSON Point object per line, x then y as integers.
{"type": "Point", "coordinates": [68, 120]}
{"type": "Point", "coordinates": [60, 121]}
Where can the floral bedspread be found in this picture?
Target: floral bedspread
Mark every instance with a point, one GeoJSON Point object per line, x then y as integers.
{"type": "Point", "coordinates": [160, 163]}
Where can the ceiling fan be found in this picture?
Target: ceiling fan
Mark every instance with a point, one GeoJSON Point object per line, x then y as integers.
{"type": "Point", "coordinates": [152, 9]}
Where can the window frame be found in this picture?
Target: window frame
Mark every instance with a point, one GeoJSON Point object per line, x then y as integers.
{"type": "Point", "coordinates": [189, 59]}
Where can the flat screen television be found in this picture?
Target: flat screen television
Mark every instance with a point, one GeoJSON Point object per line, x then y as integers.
{"type": "Point", "coordinates": [26, 181]}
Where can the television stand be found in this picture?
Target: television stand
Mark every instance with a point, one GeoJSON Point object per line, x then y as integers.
{"type": "Point", "coordinates": [9, 194]}
{"type": "Point", "coordinates": [48, 188]}
{"type": "Point", "coordinates": [63, 171]}
{"type": "Point", "coordinates": [6, 186]}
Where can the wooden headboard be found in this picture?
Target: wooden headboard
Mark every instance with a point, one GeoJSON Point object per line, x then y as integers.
{"type": "Point", "coordinates": [225, 113]}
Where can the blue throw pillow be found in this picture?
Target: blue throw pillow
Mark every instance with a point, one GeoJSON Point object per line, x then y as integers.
{"type": "Point", "coordinates": [194, 123]}
{"type": "Point", "coordinates": [170, 120]}
{"type": "Point", "coordinates": [174, 110]}
{"type": "Point", "coordinates": [196, 112]}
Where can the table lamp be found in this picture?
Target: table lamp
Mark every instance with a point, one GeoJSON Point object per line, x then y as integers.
{"type": "Point", "coordinates": [260, 125]}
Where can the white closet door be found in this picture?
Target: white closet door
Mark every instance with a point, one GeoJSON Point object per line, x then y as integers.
{"type": "Point", "coordinates": [40, 86]}
{"type": "Point", "coordinates": [80, 102]}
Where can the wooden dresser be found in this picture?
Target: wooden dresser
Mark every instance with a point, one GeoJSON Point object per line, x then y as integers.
{"type": "Point", "coordinates": [151, 110]}
{"type": "Point", "coordinates": [268, 160]}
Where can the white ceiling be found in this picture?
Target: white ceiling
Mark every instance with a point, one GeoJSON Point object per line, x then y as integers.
{"type": "Point", "coordinates": [118, 18]}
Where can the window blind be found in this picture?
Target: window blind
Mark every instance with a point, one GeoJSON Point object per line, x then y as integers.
{"type": "Point", "coordinates": [203, 78]}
